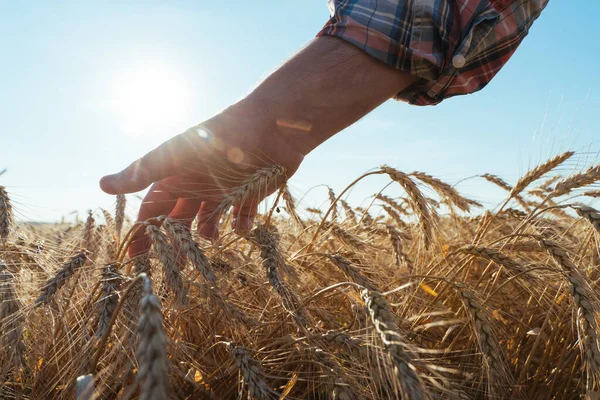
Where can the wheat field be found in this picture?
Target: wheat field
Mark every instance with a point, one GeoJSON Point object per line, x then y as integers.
{"type": "Point", "coordinates": [422, 296]}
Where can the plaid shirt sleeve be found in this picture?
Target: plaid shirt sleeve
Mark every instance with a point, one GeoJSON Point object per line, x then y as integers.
{"type": "Point", "coordinates": [455, 46]}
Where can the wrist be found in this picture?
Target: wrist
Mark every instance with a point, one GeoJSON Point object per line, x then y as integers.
{"type": "Point", "coordinates": [271, 120]}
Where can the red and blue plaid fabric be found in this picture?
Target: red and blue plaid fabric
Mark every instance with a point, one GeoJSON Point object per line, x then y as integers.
{"type": "Point", "coordinates": [455, 46]}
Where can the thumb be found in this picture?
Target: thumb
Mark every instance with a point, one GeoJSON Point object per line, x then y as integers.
{"type": "Point", "coordinates": [131, 179]}
{"type": "Point", "coordinates": [160, 163]}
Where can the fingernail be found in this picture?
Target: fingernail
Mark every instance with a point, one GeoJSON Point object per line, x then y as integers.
{"type": "Point", "coordinates": [107, 184]}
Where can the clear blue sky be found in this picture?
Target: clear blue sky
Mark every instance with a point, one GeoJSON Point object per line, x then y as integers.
{"type": "Point", "coordinates": [88, 86]}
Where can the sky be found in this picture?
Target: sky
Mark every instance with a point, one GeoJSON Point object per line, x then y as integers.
{"type": "Point", "coordinates": [86, 87]}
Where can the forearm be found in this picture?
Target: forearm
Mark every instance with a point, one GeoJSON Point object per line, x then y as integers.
{"type": "Point", "coordinates": [326, 87]}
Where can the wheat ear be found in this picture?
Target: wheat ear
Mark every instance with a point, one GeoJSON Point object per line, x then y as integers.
{"type": "Point", "coordinates": [589, 213]}
{"type": "Point", "coordinates": [164, 252]}
{"type": "Point", "coordinates": [389, 333]}
{"type": "Point", "coordinates": [349, 211]}
{"type": "Point", "coordinates": [181, 235]}
{"type": "Point", "coordinates": [417, 202]}
{"type": "Point", "coordinates": [334, 211]}
{"type": "Point", "coordinates": [496, 180]}
{"type": "Point", "coordinates": [588, 177]}
{"type": "Point", "coordinates": [89, 241]}
{"type": "Point", "coordinates": [539, 171]}
{"type": "Point", "coordinates": [400, 256]}
{"type": "Point", "coordinates": [592, 193]}
{"type": "Point", "coordinates": [260, 180]}
{"type": "Point", "coordinates": [351, 271]}
{"type": "Point", "coordinates": [341, 389]}
{"type": "Point", "coordinates": [153, 372]}
{"type": "Point", "coordinates": [395, 216]}
{"type": "Point", "coordinates": [252, 373]}
{"type": "Point", "coordinates": [392, 203]}
{"type": "Point", "coordinates": [586, 302]}
{"type": "Point", "coordinates": [272, 260]}
{"type": "Point", "coordinates": [120, 214]}
{"type": "Point", "coordinates": [482, 329]}
{"type": "Point", "coordinates": [445, 191]}
{"type": "Point", "coordinates": [366, 218]}
{"type": "Point", "coordinates": [497, 257]}
{"type": "Point", "coordinates": [290, 205]}
{"type": "Point", "coordinates": [344, 236]}
{"type": "Point", "coordinates": [111, 285]}
{"type": "Point", "coordinates": [11, 319]}
{"type": "Point", "coordinates": [6, 215]}
{"type": "Point", "coordinates": [342, 339]}
{"type": "Point", "coordinates": [60, 278]}
{"type": "Point", "coordinates": [108, 219]}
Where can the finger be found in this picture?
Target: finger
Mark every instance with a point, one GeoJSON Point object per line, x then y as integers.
{"type": "Point", "coordinates": [164, 161]}
{"type": "Point", "coordinates": [159, 201]}
{"type": "Point", "coordinates": [208, 220]}
{"type": "Point", "coordinates": [243, 216]}
{"type": "Point", "coordinates": [186, 210]}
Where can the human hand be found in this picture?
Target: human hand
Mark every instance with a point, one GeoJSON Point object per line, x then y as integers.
{"type": "Point", "coordinates": [326, 87]}
{"type": "Point", "coordinates": [192, 172]}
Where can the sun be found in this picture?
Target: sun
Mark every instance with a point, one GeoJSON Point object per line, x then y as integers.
{"type": "Point", "coordinates": [149, 98]}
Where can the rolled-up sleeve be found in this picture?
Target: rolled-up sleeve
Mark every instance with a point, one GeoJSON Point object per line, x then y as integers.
{"type": "Point", "coordinates": [455, 46]}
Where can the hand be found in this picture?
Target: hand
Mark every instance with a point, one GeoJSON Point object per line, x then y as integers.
{"type": "Point", "coordinates": [326, 87]}
{"type": "Point", "coordinates": [192, 171]}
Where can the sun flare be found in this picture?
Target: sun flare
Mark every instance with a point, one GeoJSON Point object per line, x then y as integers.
{"type": "Point", "coordinates": [149, 98]}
